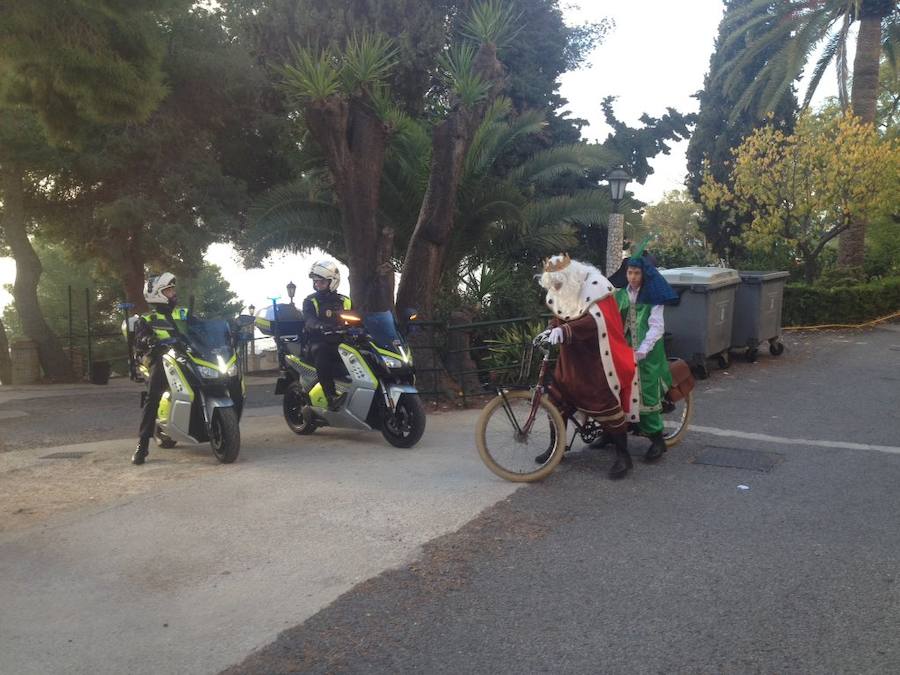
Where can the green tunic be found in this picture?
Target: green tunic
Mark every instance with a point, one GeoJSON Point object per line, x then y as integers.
{"type": "Point", "coordinates": [654, 369]}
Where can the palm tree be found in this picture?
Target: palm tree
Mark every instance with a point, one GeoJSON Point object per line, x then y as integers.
{"type": "Point", "coordinates": [498, 214]}
{"type": "Point", "coordinates": [801, 27]}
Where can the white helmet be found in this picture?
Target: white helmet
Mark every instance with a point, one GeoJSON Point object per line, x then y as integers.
{"type": "Point", "coordinates": [153, 291]}
{"type": "Point", "coordinates": [326, 269]}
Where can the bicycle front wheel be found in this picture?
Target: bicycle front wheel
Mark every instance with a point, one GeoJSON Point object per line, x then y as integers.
{"type": "Point", "coordinates": [507, 450]}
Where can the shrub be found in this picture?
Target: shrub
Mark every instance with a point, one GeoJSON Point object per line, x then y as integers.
{"type": "Point", "coordinates": [817, 305]}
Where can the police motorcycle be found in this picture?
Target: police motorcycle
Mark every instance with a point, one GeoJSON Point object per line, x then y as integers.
{"type": "Point", "coordinates": [205, 395]}
{"type": "Point", "coordinates": [378, 378]}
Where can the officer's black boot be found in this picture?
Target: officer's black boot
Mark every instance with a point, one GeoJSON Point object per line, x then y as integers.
{"type": "Point", "coordinates": [142, 451]}
{"type": "Point", "coordinates": [335, 401]}
{"type": "Point", "coordinates": [623, 459]}
{"type": "Point", "coordinates": [656, 449]}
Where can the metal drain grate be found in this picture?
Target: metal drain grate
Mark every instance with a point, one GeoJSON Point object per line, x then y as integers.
{"type": "Point", "coordinates": [66, 455]}
{"type": "Point", "coordinates": [735, 458]}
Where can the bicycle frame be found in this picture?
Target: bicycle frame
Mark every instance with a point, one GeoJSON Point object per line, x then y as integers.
{"type": "Point", "coordinates": [540, 389]}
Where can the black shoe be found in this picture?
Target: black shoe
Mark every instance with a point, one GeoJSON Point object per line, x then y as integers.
{"type": "Point", "coordinates": [623, 461]}
{"type": "Point", "coordinates": [656, 449]}
{"type": "Point", "coordinates": [334, 404]}
{"type": "Point", "coordinates": [604, 440]}
{"type": "Point", "coordinates": [544, 456]}
{"type": "Point", "coordinates": [142, 451]}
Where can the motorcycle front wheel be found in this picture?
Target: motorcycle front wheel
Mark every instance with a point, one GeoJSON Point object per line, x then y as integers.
{"type": "Point", "coordinates": [225, 435]}
{"type": "Point", "coordinates": [405, 426]}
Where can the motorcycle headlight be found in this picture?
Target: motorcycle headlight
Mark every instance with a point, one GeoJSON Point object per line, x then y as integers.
{"type": "Point", "coordinates": [391, 362]}
{"type": "Point", "coordinates": [207, 372]}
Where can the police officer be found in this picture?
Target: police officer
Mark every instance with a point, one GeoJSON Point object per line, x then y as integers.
{"type": "Point", "coordinates": [321, 313]}
{"type": "Point", "coordinates": [152, 328]}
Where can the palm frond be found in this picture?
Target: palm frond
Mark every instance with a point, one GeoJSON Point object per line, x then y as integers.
{"type": "Point", "coordinates": [297, 216]}
{"type": "Point", "coordinates": [546, 165]}
{"type": "Point", "coordinates": [312, 75]}
{"type": "Point", "coordinates": [458, 64]}
{"type": "Point", "coordinates": [584, 206]}
{"type": "Point", "coordinates": [828, 53]}
{"type": "Point", "coordinates": [492, 139]}
{"type": "Point", "coordinates": [368, 59]}
{"type": "Point", "coordinates": [492, 21]}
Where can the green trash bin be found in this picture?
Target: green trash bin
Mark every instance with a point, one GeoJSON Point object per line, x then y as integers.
{"type": "Point", "coordinates": [757, 312]}
{"type": "Point", "coordinates": [701, 321]}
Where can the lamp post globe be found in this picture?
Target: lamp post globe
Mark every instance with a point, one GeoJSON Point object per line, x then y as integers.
{"type": "Point", "coordinates": [618, 178]}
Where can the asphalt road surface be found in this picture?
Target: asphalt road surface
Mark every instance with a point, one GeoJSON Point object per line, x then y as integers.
{"type": "Point", "coordinates": [765, 543]}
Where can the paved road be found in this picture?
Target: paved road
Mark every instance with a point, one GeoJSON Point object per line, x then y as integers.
{"type": "Point", "coordinates": [191, 575]}
{"type": "Point", "coordinates": [682, 567]}
{"type": "Point", "coordinates": [41, 416]}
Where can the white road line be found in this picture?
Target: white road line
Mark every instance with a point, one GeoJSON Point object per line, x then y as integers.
{"type": "Point", "coordinates": [794, 441]}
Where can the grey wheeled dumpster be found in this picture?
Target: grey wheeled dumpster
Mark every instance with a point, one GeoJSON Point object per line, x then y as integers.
{"type": "Point", "coordinates": [757, 312]}
{"type": "Point", "coordinates": [700, 322]}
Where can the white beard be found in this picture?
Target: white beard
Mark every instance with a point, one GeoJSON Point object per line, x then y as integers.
{"type": "Point", "coordinates": [572, 290]}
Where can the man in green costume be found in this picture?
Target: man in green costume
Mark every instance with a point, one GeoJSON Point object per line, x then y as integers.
{"type": "Point", "coordinates": [641, 305]}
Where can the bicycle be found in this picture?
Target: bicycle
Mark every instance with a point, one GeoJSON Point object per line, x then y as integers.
{"type": "Point", "coordinates": [532, 423]}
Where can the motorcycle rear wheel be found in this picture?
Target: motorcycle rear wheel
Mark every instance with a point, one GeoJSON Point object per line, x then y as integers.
{"type": "Point", "coordinates": [292, 404]}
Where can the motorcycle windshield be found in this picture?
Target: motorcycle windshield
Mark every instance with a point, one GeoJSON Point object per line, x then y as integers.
{"type": "Point", "coordinates": [382, 327]}
{"type": "Point", "coordinates": [210, 338]}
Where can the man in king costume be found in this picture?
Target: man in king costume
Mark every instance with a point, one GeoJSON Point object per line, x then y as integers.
{"type": "Point", "coordinates": [596, 372]}
{"type": "Point", "coordinates": [641, 304]}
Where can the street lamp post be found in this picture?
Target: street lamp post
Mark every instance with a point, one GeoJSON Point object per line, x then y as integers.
{"type": "Point", "coordinates": [291, 289]}
{"type": "Point", "coordinates": [252, 310]}
{"type": "Point", "coordinates": [615, 232]}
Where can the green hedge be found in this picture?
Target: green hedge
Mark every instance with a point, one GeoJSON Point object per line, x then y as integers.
{"type": "Point", "coordinates": [817, 305]}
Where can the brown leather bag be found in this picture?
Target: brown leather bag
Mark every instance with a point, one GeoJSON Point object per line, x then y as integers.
{"type": "Point", "coordinates": [682, 380]}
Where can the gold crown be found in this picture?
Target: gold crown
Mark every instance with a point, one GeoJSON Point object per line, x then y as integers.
{"type": "Point", "coordinates": [550, 266]}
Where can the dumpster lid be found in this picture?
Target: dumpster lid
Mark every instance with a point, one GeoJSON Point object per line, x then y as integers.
{"type": "Point", "coordinates": [759, 277]}
{"type": "Point", "coordinates": [708, 278]}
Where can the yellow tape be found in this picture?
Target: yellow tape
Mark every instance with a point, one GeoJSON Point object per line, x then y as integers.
{"type": "Point", "coordinates": [834, 326]}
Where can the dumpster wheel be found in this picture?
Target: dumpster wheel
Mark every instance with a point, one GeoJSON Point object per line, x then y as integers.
{"type": "Point", "coordinates": [776, 348]}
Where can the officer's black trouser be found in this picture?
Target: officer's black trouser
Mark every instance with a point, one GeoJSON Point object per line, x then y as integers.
{"type": "Point", "coordinates": [156, 385]}
{"type": "Point", "coordinates": [326, 359]}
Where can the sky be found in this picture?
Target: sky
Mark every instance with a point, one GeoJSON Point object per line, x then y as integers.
{"type": "Point", "coordinates": [654, 58]}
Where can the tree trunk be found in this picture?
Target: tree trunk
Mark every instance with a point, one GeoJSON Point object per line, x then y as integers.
{"type": "Point", "coordinates": [810, 270]}
{"type": "Point", "coordinates": [53, 360]}
{"type": "Point", "coordinates": [852, 244]}
{"type": "Point", "coordinates": [130, 264]}
{"type": "Point", "coordinates": [354, 141]}
{"type": "Point", "coordinates": [5, 361]}
{"type": "Point", "coordinates": [423, 265]}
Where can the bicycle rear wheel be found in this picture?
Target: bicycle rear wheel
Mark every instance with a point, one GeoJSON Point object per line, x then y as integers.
{"type": "Point", "coordinates": [511, 454]}
{"type": "Point", "coordinates": [676, 417]}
